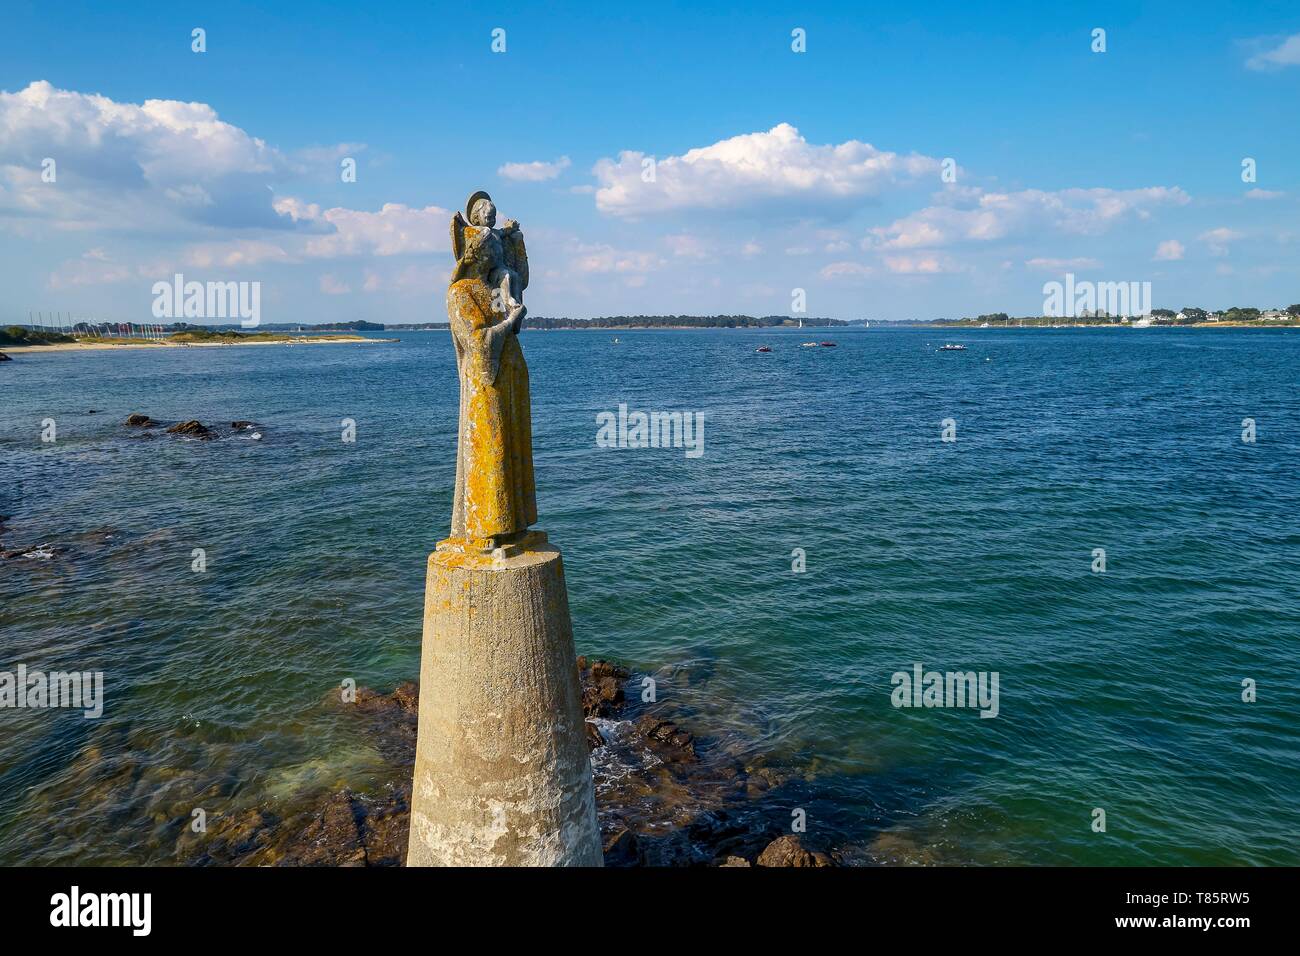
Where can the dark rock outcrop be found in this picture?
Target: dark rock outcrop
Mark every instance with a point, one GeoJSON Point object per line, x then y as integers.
{"type": "Point", "coordinates": [192, 429]}
{"type": "Point", "coordinates": [140, 421]}
{"type": "Point", "coordinates": [621, 849]}
{"type": "Point", "coordinates": [679, 743]}
{"type": "Point", "coordinates": [602, 687]}
{"type": "Point", "coordinates": [789, 850]}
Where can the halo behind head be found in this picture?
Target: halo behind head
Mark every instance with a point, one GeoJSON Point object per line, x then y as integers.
{"type": "Point", "coordinates": [469, 203]}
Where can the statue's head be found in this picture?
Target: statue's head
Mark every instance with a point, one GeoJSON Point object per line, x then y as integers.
{"type": "Point", "coordinates": [483, 213]}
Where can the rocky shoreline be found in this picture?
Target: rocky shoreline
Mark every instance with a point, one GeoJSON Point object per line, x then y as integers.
{"type": "Point", "coordinates": [664, 796]}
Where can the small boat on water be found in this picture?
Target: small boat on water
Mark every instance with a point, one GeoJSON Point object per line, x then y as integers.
{"type": "Point", "coordinates": [763, 348]}
{"type": "Point", "coordinates": [828, 345]}
{"type": "Point", "coordinates": [951, 348]}
{"type": "Point", "coordinates": [808, 345]}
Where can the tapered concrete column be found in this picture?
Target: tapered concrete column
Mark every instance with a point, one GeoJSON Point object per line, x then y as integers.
{"type": "Point", "coordinates": [502, 773]}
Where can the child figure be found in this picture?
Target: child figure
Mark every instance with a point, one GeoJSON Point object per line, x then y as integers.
{"type": "Point", "coordinates": [509, 277]}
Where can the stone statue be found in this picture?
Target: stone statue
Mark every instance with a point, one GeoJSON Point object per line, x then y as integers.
{"type": "Point", "coordinates": [502, 773]}
{"type": "Point", "coordinates": [496, 498]}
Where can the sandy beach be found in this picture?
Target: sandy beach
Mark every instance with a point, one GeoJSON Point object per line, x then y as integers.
{"type": "Point", "coordinates": [110, 347]}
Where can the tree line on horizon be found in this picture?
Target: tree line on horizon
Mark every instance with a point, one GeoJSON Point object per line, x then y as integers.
{"type": "Point", "coordinates": [21, 335]}
{"type": "Point", "coordinates": [1190, 316]}
{"type": "Point", "coordinates": [681, 321]}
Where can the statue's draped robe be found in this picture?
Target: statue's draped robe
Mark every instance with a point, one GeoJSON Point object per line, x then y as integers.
{"type": "Point", "coordinates": [495, 492]}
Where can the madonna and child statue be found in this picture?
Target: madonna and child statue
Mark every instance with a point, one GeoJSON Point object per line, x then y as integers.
{"type": "Point", "coordinates": [495, 499]}
{"type": "Point", "coordinates": [502, 773]}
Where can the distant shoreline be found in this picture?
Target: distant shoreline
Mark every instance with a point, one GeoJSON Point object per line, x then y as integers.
{"type": "Point", "coordinates": [1094, 325]}
{"type": "Point", "coordinates": [112, 347]}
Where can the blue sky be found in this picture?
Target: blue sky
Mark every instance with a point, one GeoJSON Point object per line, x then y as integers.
{"type": "Point", "coordinates": [775, 170]}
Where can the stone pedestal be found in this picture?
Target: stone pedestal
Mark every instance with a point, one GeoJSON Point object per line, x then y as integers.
{"type": "Point", "coordinates": [502, 773]}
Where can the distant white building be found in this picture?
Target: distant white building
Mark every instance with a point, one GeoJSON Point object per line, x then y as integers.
{"type": "Point", "coordinates": [1273, 314]}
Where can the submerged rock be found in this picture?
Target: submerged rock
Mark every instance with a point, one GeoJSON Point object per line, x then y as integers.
{"type": "Point", "coordinates": [681, 743]}
{"type": "Point", "coordinates": [345, 829]}
{"type": "Point", "coordinates": [37, 552]}
{"type": "Point", "coordinates": [5, 358]}
{"type": "Point", "coordinates": [664, 796]}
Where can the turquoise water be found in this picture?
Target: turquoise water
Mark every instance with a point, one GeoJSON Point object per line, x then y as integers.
{"type": "Point", "coordinates": [1120, 690]}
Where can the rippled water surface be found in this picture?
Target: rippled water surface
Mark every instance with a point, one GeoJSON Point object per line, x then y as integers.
{"type": "Point", "coordinates": [1119, 691]}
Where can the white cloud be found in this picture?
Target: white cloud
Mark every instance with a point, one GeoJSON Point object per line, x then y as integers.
{"type": "Point", "coordinates": [1062, 265]}
{"type": "Point", "coordinates": [89, 271]}
{"type": "Point", "coordinates": [844, 270]}
{"type": "Point", "coordinates": [535, 172]}
{"type": "Point", "coordinates": [1171, 250]}
{"type": "Point", "coordinates": [599, 259]}
{"type": "Point", "coordinates": [1285, 54]}
{"type": "Point", "coordinates": [1218, 239]}
{"type": "Point", "coordinates": [127, 166]}
{"type": "Point", "coordinates": [333, 285]}
{"type": "Point", "coordinates": [235, 254]}
{"type": "Point", "coordinates": [395, 229]}
{"type": "Point", "coordinates": [1263, 194]}
{"type": "Point", "coordinates": [757, 170]}
{"type": "Point", "coordinates": [687, 246]}
{"type": "Point", "coordinates": [983, 216]}
{"type": "Point", "coordinates": [920, 265]}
